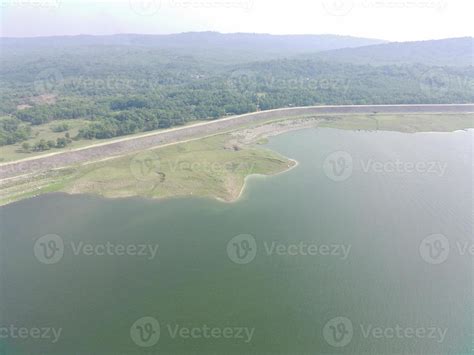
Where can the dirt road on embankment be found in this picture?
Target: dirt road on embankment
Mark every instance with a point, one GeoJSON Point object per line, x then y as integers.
{"type": "Point", "coordinates": [129, 145]}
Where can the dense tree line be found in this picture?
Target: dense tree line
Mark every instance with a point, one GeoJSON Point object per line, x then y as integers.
{"type": "Point", "coordinates": [123, 91]}
{"type": "Point", "coordinates": [13, 131]}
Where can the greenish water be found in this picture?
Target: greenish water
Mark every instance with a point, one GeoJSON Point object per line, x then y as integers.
{"type": "Point", "coordinates": [399, 292]}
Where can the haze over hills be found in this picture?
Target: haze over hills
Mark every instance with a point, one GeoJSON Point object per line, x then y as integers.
{"type": "Point", "coordinates": [117, 85]}
{"type": "Point", "coordinates": [452, 52]}
{"type": "Point", "coordinates": [246, 47]}
{"type": "Point", "coordinates": [239, 45]}
{"type": "Point", "coordinates": [240, 41]}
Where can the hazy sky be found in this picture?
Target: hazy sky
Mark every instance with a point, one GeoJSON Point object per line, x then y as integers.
{"type": "Point", "coordinates": [385, 19]}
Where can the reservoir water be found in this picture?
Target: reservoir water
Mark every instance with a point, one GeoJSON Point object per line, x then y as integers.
{"type": "Point", "coordinates": [366, 247]}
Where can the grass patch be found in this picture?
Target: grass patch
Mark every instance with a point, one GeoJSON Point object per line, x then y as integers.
{"type": "Point", "coordinates": [202, 168]}
{"type": "Point", "coordinates": [408, 123]}
{"type": "Point", "coordinates": [15, 151]}
{"type": "Point", "coordinates": [208, 167]}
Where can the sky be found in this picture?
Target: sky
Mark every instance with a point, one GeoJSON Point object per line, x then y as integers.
{"type": "Point", "coordinates": [394, 20]}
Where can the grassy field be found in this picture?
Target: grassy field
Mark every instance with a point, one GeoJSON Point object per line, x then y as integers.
{"type": "Point", "coordinates": [204, 168]}
{"type": "Point", "coordinates": [214, 167]}
{"type": "Point", "coordinates": [15, 151]}
{"type": "Point", "coordinates": [403, 123]}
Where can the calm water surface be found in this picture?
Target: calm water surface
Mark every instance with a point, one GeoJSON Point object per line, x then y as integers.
{"type": "Point", "coordinates": [363, 248]}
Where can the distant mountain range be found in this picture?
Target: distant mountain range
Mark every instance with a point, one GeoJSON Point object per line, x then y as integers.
{"type": "Point", "coordinates": [247, 47]}
{"type": "Point", "coordinates": [236, 47]}
{"type": "Point", "coordinates": [451, 52]}
{"type": "Point", "coordinates": [236, 41]}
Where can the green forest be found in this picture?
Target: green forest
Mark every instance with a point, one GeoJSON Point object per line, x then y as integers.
{"type": "Point", "coordinates": [121, 90]}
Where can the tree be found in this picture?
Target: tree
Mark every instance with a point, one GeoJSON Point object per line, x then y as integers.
{"type": "Point", "coordinates": [26, 146]}
{"type": "Point", "coordinates": [61, 142]}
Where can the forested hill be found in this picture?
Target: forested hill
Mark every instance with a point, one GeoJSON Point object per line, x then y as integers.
{"type": "Point", "coordinates": [450, 52]}
{"type": "Point", "coordinates": [240, 45]}
{"type": "Point", "coordinates": [124, 89]}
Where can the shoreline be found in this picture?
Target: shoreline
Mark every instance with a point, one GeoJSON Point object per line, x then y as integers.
{"type": "Point", "coordinates": [251, 137]}
{"type": "Point", "coordinates": [248, 177]}
{"type": "Point", "coordinates": [133, 144]}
